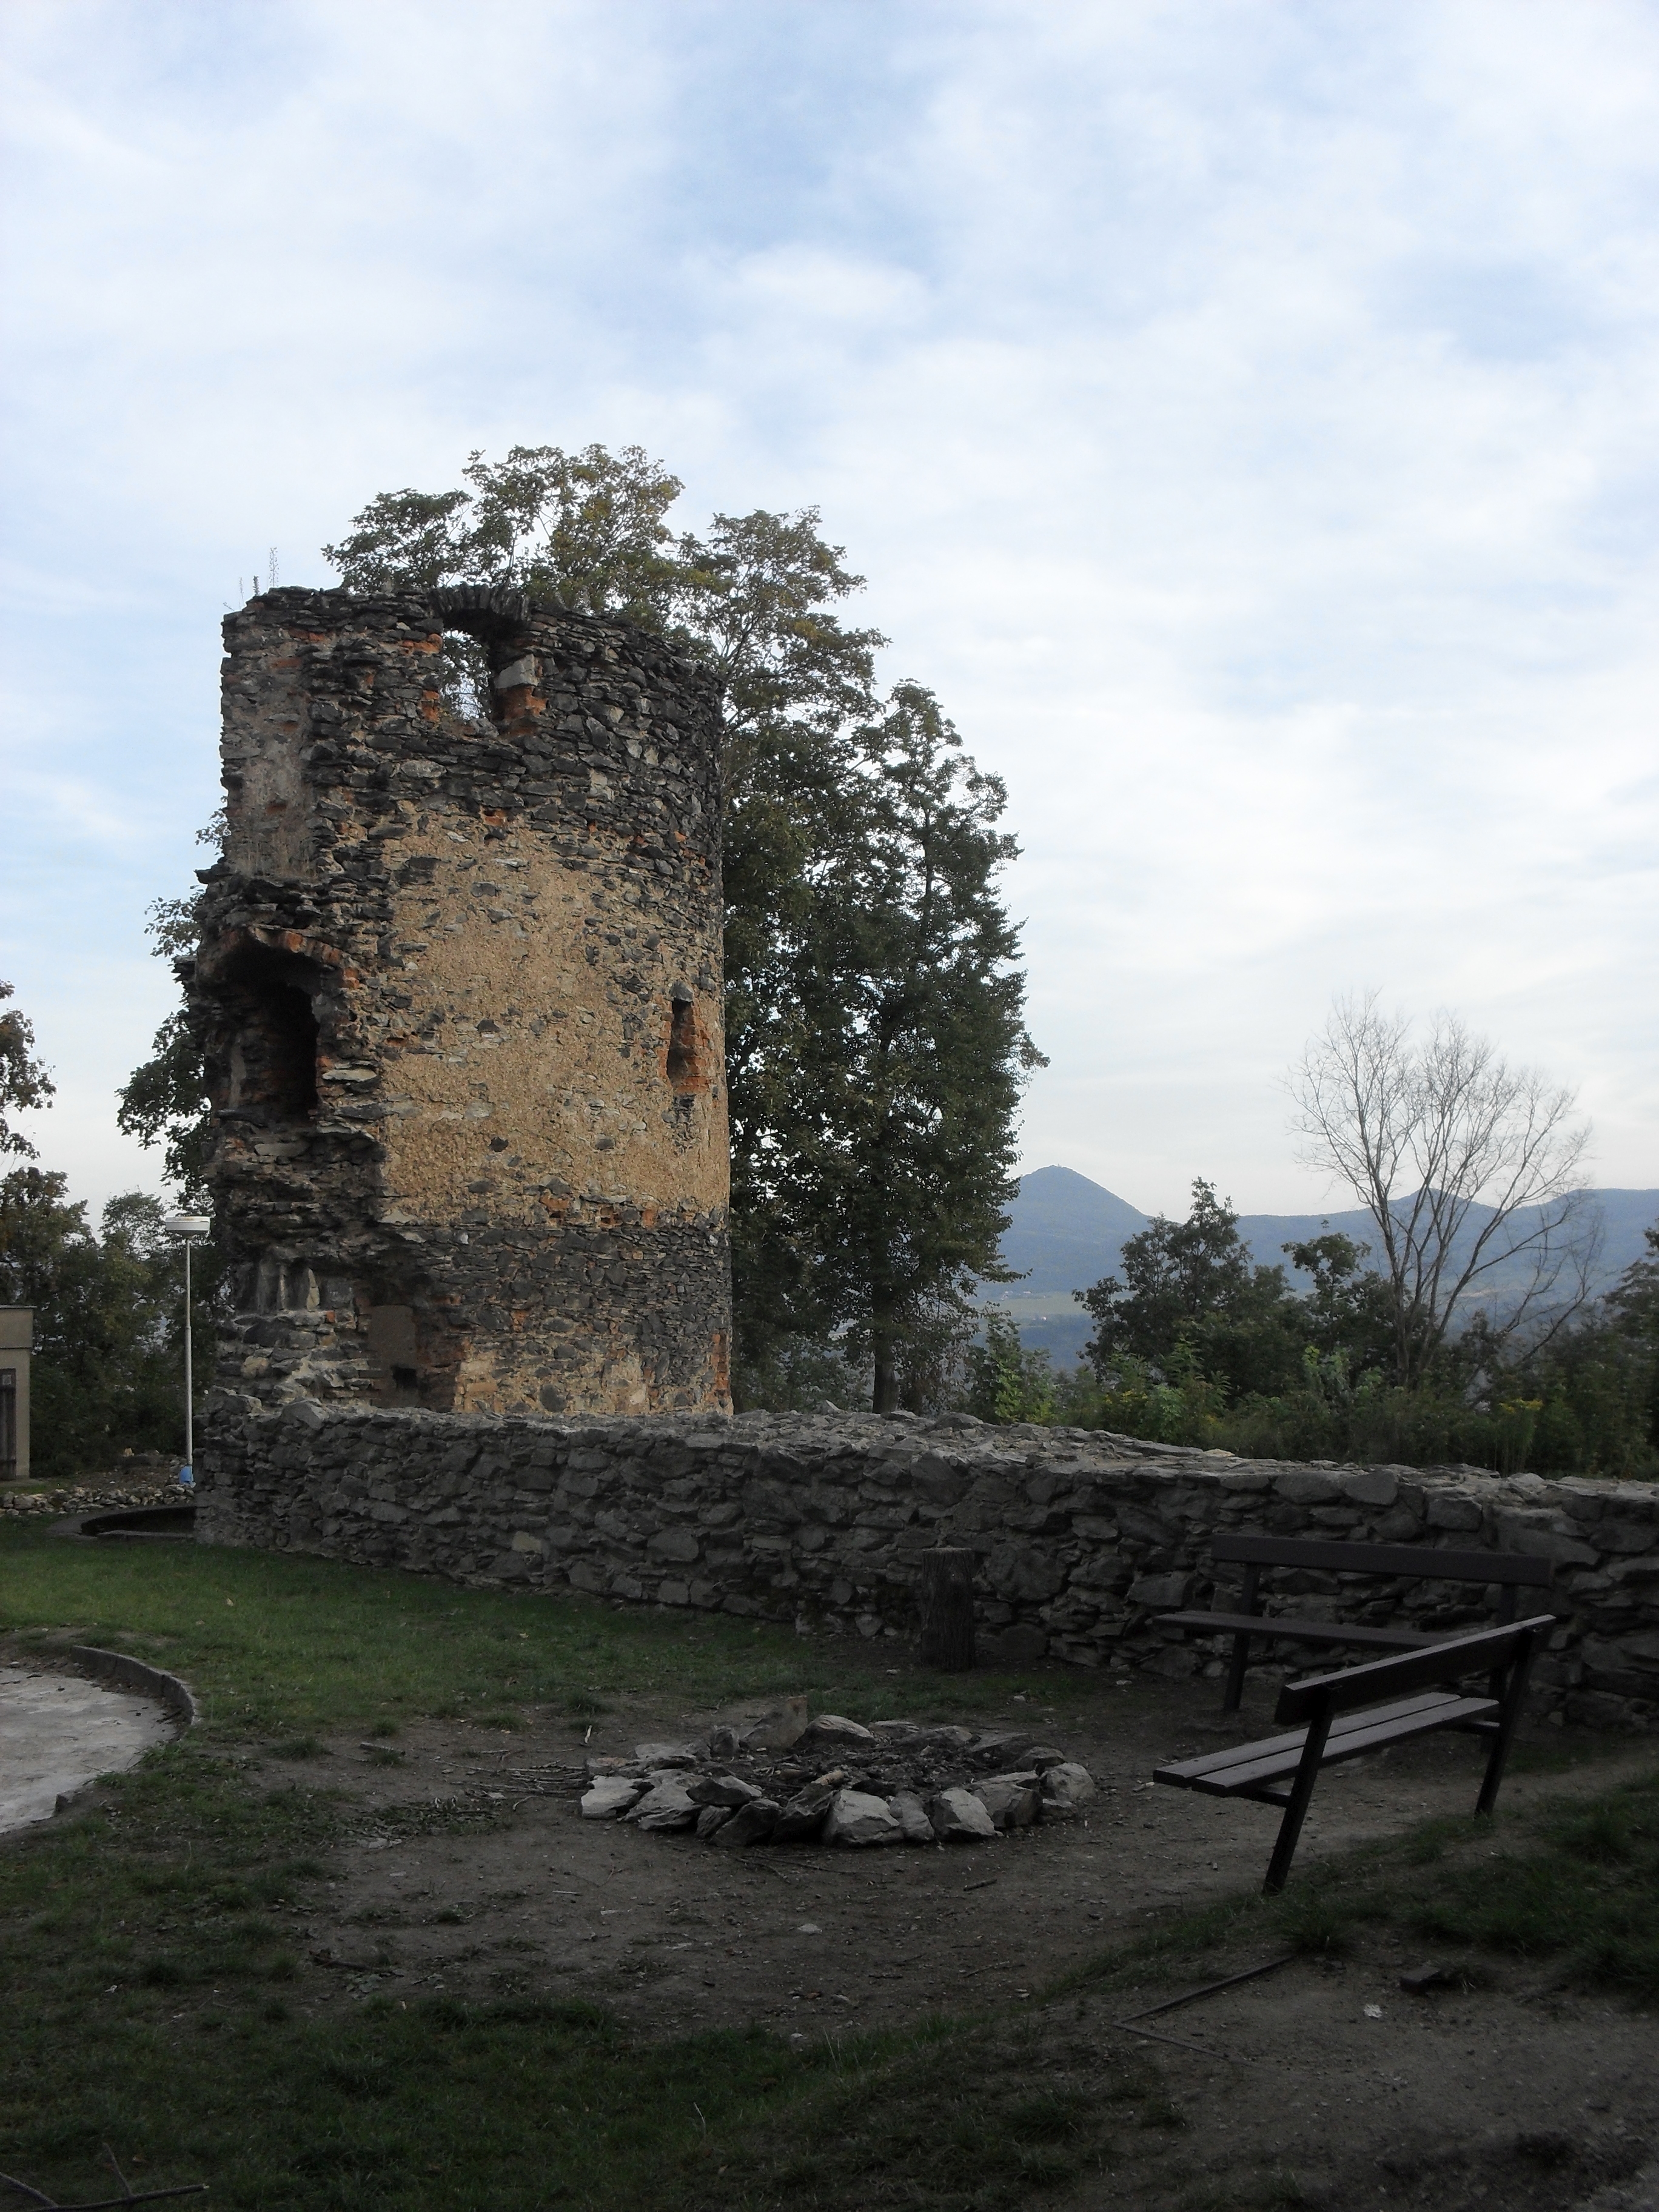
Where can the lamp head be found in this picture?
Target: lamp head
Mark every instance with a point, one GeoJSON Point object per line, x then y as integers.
{"type": "Point", "coordinates": [187, 1224]}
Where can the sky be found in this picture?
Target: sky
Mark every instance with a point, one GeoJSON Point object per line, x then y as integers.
{"type": "Point", "coordinates": [1244, 413]}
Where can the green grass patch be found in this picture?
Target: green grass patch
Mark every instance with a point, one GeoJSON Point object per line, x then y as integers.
{"type": "Point", "coordinates": [280, 1646]}
{"type": "Point", "coordinates": [155, 1946]}
{"type": "Point", "coordinates": [1572, 1885]}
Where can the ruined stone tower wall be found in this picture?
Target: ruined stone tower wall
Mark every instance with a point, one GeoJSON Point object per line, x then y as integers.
{"type": "Point", "coordinates": [459, 987]}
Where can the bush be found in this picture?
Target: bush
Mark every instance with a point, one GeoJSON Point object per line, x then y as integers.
{"type": "Point", "coordinates": [1565, 1424]}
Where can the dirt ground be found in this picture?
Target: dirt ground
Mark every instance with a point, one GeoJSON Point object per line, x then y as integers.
{"type": "Point", "coordinates": [469, 1871]}
{"type": "Point", "coordinates": [1505, 2093]}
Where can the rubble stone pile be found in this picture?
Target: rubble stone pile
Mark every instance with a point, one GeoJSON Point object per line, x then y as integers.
{"type": "Point", "coordinates": [789, 1779]}
{"type": "Point", "coordinates": [140, 1479]}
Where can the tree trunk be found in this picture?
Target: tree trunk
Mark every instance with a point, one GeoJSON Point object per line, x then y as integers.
{"type": "Point", "coordinates": [884, 1351]}
{"type": "Point", "coordinates": [947, 1609]}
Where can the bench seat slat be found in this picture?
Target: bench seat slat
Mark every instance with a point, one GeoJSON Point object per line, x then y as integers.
{"type": "Point", "coordinates": [1442, 1712]}
{"type": "Point", "coordinates": [1296, 1632]}
{"type": "Point", "coordinates": [1277, 1755]}
{"type": "Point", "coordinates": [1183, 1771]}
{"type": "Point", "coordinates": [1188, 1770]}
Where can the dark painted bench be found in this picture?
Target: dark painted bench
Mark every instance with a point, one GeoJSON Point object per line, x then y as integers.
{"type": "Point", "coordinates": [1512, 1571]}
{"type": "Point", "coordinates": [1361, 1709]}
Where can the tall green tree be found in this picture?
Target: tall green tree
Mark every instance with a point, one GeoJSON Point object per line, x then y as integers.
{"type": "Point", "coordinates": [1633, 1307]}
{"type": "Point", "coordinates": [897, 1096]}
{"type": "Point", "coordinates": [1349, 1307]}
{"type": "Point", "coordinates": [1176, 1275]}
{"type": "Point", "coordinates": [107, 1368]}
{"type": "Point", "coordinates": [164, 1101]}
{"type": "Point", "coordinates": [108, 1302]}
{"type": "Point", "coordinates": [756, 602]}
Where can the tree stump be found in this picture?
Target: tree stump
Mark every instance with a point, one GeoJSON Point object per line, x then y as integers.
{"type": "Point", "coordinates": [947, 1608]}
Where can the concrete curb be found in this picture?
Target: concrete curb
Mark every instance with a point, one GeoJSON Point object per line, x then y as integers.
{"type": "Point", "coordinates": [122, 1673]}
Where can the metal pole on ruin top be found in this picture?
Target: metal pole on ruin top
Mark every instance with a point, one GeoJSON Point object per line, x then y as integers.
{"type": "Point", "coordinates": [187, 1227]}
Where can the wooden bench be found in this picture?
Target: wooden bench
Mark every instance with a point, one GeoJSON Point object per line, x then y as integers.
{"type": "Point", "coordinates": [1361, 1709]}
{"type": "Point", "coordinates": [1511, 1571]}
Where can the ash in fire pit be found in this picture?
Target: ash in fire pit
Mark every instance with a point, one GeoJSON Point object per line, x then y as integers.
{"type": "Point", "coordinates": [833, 1781]}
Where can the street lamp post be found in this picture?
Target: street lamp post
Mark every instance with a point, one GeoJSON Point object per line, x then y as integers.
{"type": "Point", "coordinates": [187, 1227]}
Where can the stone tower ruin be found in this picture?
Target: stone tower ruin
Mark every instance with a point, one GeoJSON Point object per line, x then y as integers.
{"type": "Point", "coordinates": [459, 989]}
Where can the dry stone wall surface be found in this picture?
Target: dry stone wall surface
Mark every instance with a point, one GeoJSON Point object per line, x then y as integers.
{"type": "Point", "coordinates": [817, 1519]}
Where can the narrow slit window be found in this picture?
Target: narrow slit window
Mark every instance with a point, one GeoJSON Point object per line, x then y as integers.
{"type": "Point", "coordinates": [684, 1066]}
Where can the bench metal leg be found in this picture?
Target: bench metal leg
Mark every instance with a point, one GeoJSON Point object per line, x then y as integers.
{"type": "Point", "coordinates": [1514, 1690]}
{"type": "Point", "coordinates": [1301, 1790]}
{"type": "Point", "coordinates": [1241, 1658]}
{"type": "Point", "coordinates": [1301, 1797]}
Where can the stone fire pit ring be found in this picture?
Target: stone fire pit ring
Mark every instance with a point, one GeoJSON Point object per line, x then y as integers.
{"type": "Point", "coordinates": [789, 1779]}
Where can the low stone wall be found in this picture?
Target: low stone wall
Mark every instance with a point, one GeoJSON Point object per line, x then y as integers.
{"type": "Point", "coordinates": [815, 1519]}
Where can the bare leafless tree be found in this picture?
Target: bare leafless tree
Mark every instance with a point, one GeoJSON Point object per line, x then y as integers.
{"type": "Point", "coordinates": [1468, 1167]}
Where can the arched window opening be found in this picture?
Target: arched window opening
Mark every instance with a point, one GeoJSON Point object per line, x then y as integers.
{"type": "Point", "coordinates": [465, 685]}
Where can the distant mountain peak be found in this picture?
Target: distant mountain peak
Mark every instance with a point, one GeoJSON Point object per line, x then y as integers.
{"type": "Point", "coordinates": [1065, 1230]}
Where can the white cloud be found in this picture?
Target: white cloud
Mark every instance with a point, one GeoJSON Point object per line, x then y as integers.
{"type": "Point", "coordinates": [1244, 415]}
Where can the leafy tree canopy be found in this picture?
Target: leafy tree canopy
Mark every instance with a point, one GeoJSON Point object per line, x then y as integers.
{"type": "Point", "coordinates": [108, 1306]}
{"type": "Point", "coordinates": [1190, 1296]}
{"type": "Point", "coordinates": [898, 1078]}
{"type": "Point", "coordinates": [164, 1101]}
{"type": "Point", "coordinates": [23, 1081]}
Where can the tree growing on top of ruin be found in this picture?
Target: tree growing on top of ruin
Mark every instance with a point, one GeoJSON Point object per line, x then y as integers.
{"type": "Point", "coordinates": [754, 597]}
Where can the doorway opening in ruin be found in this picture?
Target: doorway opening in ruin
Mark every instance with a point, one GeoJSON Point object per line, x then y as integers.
{"type": "Point", "coordinates": [270, 998]}
{"type": "Point", "coordinates": [393, 1348]}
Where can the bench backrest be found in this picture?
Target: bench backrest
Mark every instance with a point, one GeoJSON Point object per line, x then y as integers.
{"type": "Point", "coordinates": [1414, 1560]}
{"type": "Point", "coordinates": [1484, 1651]}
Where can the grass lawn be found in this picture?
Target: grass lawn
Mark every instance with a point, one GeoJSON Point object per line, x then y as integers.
{"type": "Point", "coordinates": [149, 1990]}
{"type": "Point", "coordinates": [272, 1642]}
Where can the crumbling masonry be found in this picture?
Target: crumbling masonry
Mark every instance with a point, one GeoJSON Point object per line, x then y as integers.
{"type": "Point", "coordinates": [459, 989]}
